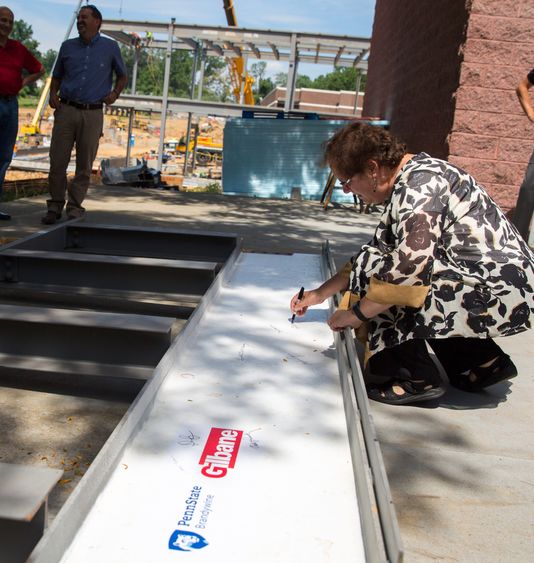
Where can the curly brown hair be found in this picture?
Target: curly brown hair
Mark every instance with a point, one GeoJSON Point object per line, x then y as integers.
{"type": "Point", "coordinates": [350, 148]}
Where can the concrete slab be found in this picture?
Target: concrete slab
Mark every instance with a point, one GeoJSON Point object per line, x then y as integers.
{"type": "Point", "coordinates": [56, 430]}
{"type": "Point", "coordinates": [460, 469]}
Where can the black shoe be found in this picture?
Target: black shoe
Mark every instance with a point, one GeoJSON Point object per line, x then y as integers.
{"type": "Point", "coordinates": [479, 378]}
{"type": "Point", "coordinates": [4, 216]}
{"type": "Point", "coordinates": [411, 392]}
{"type": "Point", "coordinates": [50, 218]}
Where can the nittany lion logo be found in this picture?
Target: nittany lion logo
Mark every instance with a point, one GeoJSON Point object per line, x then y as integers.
{"type": "Point", "coordinates": [183, 540]}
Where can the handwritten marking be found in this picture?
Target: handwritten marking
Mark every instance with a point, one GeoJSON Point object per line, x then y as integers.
{"type": "Point", "coordinates": [189, 440]}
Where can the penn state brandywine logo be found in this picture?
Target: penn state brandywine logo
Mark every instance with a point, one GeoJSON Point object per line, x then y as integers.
{"type": "Point", "coordinates": [183, 540]}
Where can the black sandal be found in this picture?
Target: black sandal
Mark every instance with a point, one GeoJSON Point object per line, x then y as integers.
{"type": "Point", "coordinates": [479, 378]}
{"type": "Point", "coordinates": [414, 391]}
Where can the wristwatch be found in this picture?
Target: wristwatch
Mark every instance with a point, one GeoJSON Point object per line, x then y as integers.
{"type": "Point", "coordinates": [358, 312]}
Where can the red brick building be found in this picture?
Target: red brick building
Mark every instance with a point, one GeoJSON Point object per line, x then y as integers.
{"type": "Point", "coordinates": [320, 101]}
{"type": "Point", "coordinates": [444, 74]}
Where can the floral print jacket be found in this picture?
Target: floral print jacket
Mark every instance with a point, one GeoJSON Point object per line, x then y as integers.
{"type": "Point", "coordinates": [447, 258]}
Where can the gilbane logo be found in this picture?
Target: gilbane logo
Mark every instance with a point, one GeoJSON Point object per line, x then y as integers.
{"type": "Point", "coordinates": [220, 452]}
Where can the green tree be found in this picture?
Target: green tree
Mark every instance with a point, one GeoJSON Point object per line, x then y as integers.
{"type": "Point", "coordinates": [343, 78]}
{"type": "Point", "coordinates": [265, 86]}
{"type": "Point", "coordinates": [257, 70]}
{"type": "Point", "coordinates": [280, 79]}
{"type": "Point", "coordinates": [23, 32]}
{"type": "Point", "coordinates": [151, 72]}
{"type": "Point", "coordinates": [216, 85]}
{"type": "Point", "coordinates": [48, 60]}
{"type": "Point", "coordinates": [304, 81]}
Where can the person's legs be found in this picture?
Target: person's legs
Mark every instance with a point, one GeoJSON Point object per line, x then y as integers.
{"type": "Point", "coordinates": [61, 144]}
{"type": "Point", "coordinates": [411, 373]}
{"type": "Point", "coordinates": [87, 139]}
{"type": "Point", "coordinates": [525, 202]}
{"type": "Point", "coordinates": [472, 364]}
{"type": "Point", "coordinates": [9, 120]}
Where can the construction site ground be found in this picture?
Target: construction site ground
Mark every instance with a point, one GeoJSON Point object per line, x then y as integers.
{"type": "Point", "coordinates": [461, 468]}
{"type": "Point", "coordinates": [146, 132]}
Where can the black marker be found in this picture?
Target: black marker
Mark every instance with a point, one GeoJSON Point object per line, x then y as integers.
{"type": "Point", "coordinates": [301, 293]}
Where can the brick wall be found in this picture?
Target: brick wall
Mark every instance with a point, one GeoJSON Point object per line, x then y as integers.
{"type": "Point", "coordinates": [491, 137]}
{"type": "Point", "coordinates": [414, 69]}
{"type": "Point", "coordinates": [314, 100]}
{"type": "Point", "coordinates": [444, 73]}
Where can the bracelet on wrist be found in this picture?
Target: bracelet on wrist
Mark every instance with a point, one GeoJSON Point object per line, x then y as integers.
{"type": "Point", "coordinates": [358, 312]}
{"type": "Point", "coordinates": [116, 93]}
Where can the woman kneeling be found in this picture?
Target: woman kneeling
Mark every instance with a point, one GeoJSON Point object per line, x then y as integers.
{"type": "Point", "coordinates": [444, 268]}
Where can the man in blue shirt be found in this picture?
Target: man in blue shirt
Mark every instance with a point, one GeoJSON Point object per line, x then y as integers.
{"type": "Point", "coordinates": [82, 82]}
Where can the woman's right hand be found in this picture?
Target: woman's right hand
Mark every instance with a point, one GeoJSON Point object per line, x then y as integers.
{"type": "Point", "coordinates": [309, 298]}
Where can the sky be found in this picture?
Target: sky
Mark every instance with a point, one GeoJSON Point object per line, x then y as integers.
{"type": "Point", "coordinates": [50, 18]}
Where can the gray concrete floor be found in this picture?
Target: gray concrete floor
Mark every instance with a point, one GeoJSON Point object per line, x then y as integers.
{"type": "Point", "coordinates": [461, 469]}
{"type": "Point", "coordinates": [57, 430]}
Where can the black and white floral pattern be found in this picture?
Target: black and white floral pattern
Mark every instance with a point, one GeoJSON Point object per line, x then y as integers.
{"type": "Point", "coordinates": [440, 229]}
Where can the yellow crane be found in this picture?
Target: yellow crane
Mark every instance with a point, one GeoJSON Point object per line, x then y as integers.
{"type": "Point", "coordinates": [236, 65]}
{"type": "Point", "coordinates": [34, 128]}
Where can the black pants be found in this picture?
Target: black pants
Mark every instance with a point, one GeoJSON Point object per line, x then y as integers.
{"type": "Point", "coordinates": [411, 360]}
{"type": "Point", "coordinates": [525, 202]}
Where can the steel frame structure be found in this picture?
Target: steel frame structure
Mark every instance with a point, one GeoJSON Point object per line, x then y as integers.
{"type": "Point", "coordinates": [229, 42]}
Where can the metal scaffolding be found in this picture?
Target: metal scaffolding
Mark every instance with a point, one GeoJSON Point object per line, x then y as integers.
{"type": "Point", "coordinates": [228, 42]}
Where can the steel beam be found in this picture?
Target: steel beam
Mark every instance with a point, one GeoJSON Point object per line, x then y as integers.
{"type": "Point", "coordinates": [166, 78]}
{"type": "Point", "coordinates": [112, 268]}
{"type": "Point", "coordinates": [129, 273]}
{"type": "Point", "coordinates": [83, 336]}
{"type": "Point", "coordinates": [24, 492]}
{"type": "Point", "coordinates": [247, 40]}
{"type": "Point", "coordinates": [148, 242]}
{"type": "Point", "coordinates": [291, 75]}
{"type": "Point", "coordinates": [185, 105]}
{"type": "Point", "coordinates": [49, 280]}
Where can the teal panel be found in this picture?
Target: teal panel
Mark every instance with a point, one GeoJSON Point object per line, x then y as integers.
{"type": "Point", "coordinates": [270, 157]}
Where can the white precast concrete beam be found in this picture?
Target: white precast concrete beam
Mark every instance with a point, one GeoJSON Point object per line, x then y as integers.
{"type": "Point", "coordinates": [289, 493]}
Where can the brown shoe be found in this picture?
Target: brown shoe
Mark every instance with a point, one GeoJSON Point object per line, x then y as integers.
{"type": "Point", "coordinates": [50, 218]}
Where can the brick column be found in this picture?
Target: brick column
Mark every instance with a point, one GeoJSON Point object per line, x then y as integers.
{"type": "Point", "coordinates": [414, 69]}
{"type": "Point", "coordinates": [490, 136]}
{"type": "Point", "coordinates": [444, 73]}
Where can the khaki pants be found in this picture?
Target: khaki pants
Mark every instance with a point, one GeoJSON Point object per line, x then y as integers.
{"type": "Point", "coordinates": [82, 128]}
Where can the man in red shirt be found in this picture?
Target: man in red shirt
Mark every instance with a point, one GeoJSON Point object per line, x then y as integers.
{"type": "Point", "coordinates": [14, 59]}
